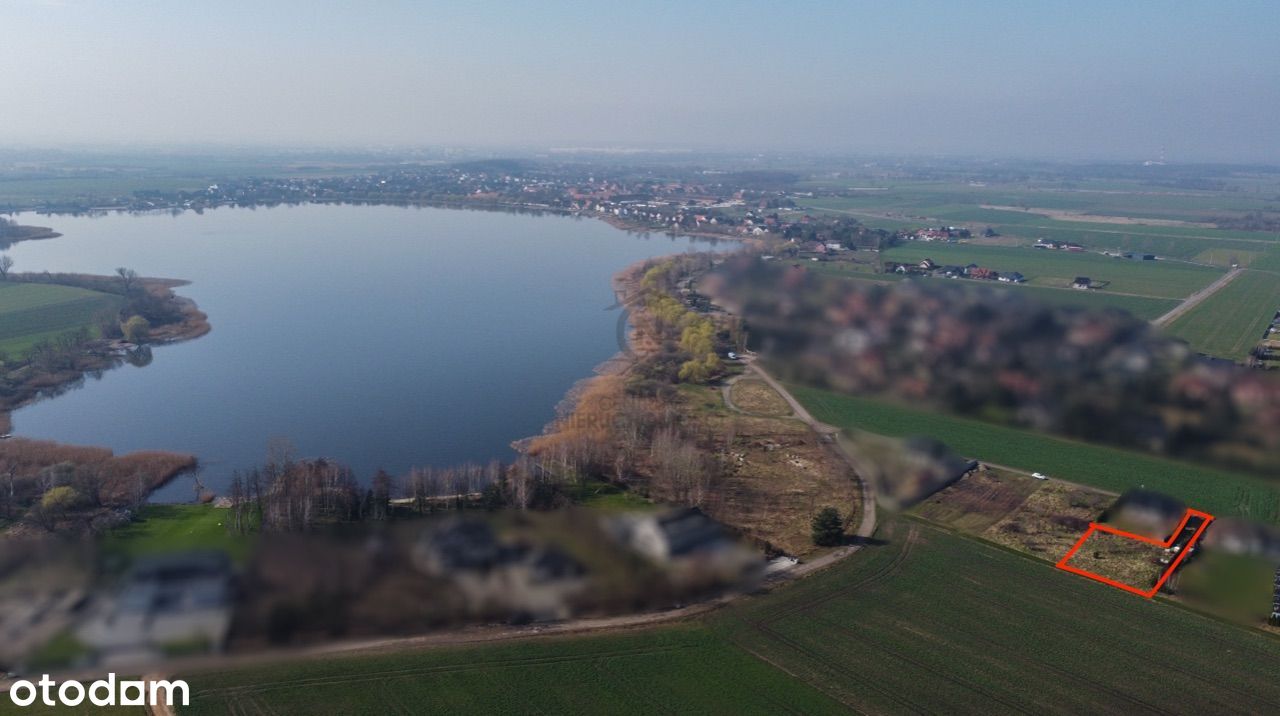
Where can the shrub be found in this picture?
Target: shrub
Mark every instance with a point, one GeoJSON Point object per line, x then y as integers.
{"type": "Point", "coordinates": [135, 329]}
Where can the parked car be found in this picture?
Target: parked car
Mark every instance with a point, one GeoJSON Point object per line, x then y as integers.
{"type": "Point", "coordinates": [1040, 476]}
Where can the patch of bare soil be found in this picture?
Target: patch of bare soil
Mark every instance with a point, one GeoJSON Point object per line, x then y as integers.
{"type": "Point", "coordinates": [1001, 240]}
{"type": "Point", "coordinates": [978, 500]}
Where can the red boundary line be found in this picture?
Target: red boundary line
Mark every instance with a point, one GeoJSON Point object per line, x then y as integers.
{"type": "Point", "coordinates": [1095, 527]}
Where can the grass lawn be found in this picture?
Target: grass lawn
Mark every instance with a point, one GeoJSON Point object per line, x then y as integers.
{"type": "Point", "coordinates": [175, 528]}
{"type": "Point", "coordinates": [32, 312]}
{"type": "Point", "coordinates": [1218, 492]}
{"type": "Point", "coordinates": [1161, 279]}
{"type": "Point", "coordinates": [607, 497]}
{"type": "Point", "coordinates": [1232, 321]}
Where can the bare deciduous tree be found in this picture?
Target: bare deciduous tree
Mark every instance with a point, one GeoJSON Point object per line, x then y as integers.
{"type": "Point", "coordinates": [128, 277]}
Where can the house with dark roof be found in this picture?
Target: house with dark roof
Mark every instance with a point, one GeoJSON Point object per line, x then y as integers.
{"type": "Point", "coordinates": [690, 546]}
{"type": "Point", "coordinates": [675, 534]}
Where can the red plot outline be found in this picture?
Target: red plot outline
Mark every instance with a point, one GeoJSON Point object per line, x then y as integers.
{"type": "Point", "coordinates": [1095, 527]}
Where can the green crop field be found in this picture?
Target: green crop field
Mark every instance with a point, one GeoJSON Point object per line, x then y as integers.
{"type": "Point", "coordinates": [925, 203]}
{"type": "Point", "coordinates": [1219, 492]}
{"type": "Point", "coordinates": [1232, 321]}
{"type": "Point", "coordinates": [933, 622]}
{"type": "Point", "coordinates": [1269, 261]}
{"type": "Point", "coordinates": [1144, 307]}
{"type": "Point", "coordinates": [1045, 267]}
{"type": "Point", "coordinates": [1143, 239]}
{"type": "Point", "coordinates": [32, 312]}
{"type": "Point", "coordinates": [927, 621]}
{"type": "Point", "coordinates": [960, 201]}
{"type": "Point", "coordinates": [684, 669]}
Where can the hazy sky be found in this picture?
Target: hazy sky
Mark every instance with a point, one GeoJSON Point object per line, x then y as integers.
{"type": "Point", "coordinates": [1070, 78]}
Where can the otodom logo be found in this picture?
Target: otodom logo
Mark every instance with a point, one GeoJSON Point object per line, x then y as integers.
{"type": "Point", "coordinates": [103, 692]}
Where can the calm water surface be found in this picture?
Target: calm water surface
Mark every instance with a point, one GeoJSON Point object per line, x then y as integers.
{"type": "Point", "coordinates": [384, 337]}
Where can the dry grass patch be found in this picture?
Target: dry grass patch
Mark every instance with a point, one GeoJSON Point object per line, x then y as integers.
{"type": "Point", "coordinates": [1120, 558]}
{"type": "Point", "coordinates": [1050, 521]}
{"type": "Point", "coordinates": [1064, 215]}
{"type": "Point", "coordinates": [119, 479]}
{"type": "Point", "coordinates": [776, 475]}
{"type": "Point", "coordinates": [755, 396]}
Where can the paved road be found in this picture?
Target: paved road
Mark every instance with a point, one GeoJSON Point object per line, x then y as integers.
{"type": "Point", "coordinates": [1197, 298]}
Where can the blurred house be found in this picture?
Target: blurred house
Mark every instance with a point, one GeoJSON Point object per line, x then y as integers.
{"type": "Point", "coordinates": [1243, 537]}
{"type": "Point", "coordinates": [525, 581]}
{"type": "Point", "coordinates": [173, 603]}
{"type": "Point", "coordinates": [684, 541]}
{"type": "Point", "coordinates": [1146, 512]}
{"type": "Point", "coordinates": [672, 535]}
{"type": "Point", "coordinates": [44, 587]}
{"type": "Point", "coordinates": [906, 471]}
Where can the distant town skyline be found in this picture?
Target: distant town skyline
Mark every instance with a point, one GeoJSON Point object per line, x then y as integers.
{"type": "Point", "coordinates": [1196, 81]}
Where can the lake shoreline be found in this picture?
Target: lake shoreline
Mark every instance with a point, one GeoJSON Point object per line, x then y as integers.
{"type": "Point", "coordinates": [195, 323]}
{"type": "Point", "coordinates": [103, 354]}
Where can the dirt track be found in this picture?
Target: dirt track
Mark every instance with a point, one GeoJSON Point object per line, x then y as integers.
{"type": "Point", "coordinates": [867, 526]}
{"type": "Point", "coordinates": [1197, 298]}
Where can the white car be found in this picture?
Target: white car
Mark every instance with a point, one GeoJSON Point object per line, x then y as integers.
{"type": "Point", "coordinates": [1040, 476]}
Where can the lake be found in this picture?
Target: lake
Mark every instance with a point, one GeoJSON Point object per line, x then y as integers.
{"type": "Point", "coordinates": [382, 337]}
